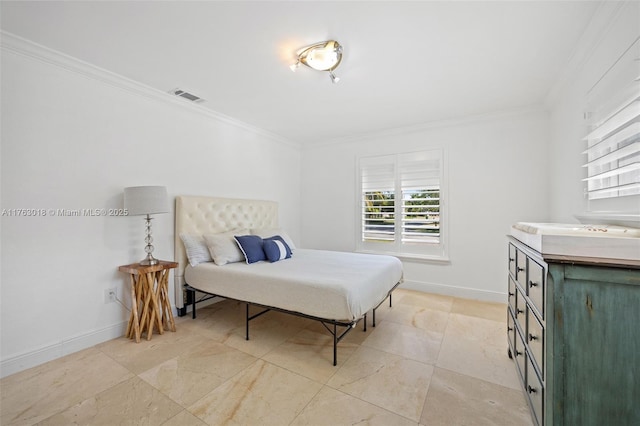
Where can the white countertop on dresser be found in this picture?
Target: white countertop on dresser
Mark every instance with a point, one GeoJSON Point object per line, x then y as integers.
{"type": "Point", "coordinates": [593, 241]}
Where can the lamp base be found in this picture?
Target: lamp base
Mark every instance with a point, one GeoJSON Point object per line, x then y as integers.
{"type": "Point", "coordinates": [149, 261]}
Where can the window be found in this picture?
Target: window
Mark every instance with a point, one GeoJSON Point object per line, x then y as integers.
{"type": "Point", "coordinates": [613, 143]}
{"type": "Point", "coordinates": [402, 204]}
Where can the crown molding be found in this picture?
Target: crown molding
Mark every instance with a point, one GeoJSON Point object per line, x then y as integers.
{"type": "Point", "coordinates": [422, 127]}
{"type": "Point", "coordinates": [27, 48]}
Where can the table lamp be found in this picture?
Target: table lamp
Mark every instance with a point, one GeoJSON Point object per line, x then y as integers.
{"type": "Point", "coordinates": [146, 200]}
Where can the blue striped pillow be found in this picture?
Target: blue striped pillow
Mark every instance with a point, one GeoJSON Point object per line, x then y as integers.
{"type": "Point", "coordinates": [276, 249]}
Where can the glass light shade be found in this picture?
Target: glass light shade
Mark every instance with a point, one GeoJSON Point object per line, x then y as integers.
{"type": "Point", "coordinates": [324, 56]}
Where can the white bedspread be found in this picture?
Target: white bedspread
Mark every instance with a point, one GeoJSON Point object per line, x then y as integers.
{"type": "Point", "coordinates": [326, 284]}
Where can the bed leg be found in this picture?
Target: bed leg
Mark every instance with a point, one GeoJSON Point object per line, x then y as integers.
{"type": "Point", "coordinates": [365, 322]}
{"type": "Point", "coordinates": [335, 345]}
{"type": "Point", "coordinates": [247, 321]}
{"type": "Point", "coordinates": [390, 295]}
{"type": "Point", "coordinates": [193, 304]}
{"type": "Point", "coordinates": [374, 317]}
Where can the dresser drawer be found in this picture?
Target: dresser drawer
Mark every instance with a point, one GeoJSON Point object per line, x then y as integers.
{"type": "Point", "coordinates": [536, 286]}
{"type": "Point", "coordinates": [512, 260]}
{"type": "Point", "coordinates": [520, 310]}
{"type": "Point", "coordinates": [519, 354]}
{"type": "Point", "coordinates": [535, 340]}
{"type": "Point", "coordinates": [512, 294]}
{"type": "Point", "coordinates": [535, 393]}
{"type": "Point", "coordinates": [511, 329]}
{"type": "Point", "coordinates": [521, 268]}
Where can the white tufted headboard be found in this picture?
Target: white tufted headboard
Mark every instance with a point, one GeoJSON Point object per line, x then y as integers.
{"type": "Point", "coordinates": [210, 215]}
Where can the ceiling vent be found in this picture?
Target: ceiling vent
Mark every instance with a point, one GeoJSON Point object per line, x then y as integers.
{"type": "Point", "coordinates": [186, 95]}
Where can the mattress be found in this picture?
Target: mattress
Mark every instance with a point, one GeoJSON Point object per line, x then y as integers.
{"type": "Point", "coordinates": [325, 284]}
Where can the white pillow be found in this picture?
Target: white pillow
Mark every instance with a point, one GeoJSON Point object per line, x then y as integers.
{"type": "Point", "coordinates": [223, 247]}
{"type": "Point", "coordinates": [196, 248]}
{"type": "Point", "coordinates": [270, 232]}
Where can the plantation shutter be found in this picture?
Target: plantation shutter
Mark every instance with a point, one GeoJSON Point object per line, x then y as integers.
{"type": "Point", "coordinates": [378, 198]}
{"type": "Point", "coordinates": [613, 143]}
{"type": "Point", "coordinates": [400, 204]}
{"type": "Point", "coordinates": [419, 175]}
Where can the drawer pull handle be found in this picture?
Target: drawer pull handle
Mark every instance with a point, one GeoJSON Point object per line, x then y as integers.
{"type": "Point", "coordinates": [520, 269]}
{"type": "Point", "coordinates": [532, 390]}
{"type": "Point", "coordinates": [509, 328]}
{"type": "Point", "coordinates": [519, 311]}
{"type": "Point", "coordinates": [532, 337]}
{"type": "Point", "coordinates": [511, 294]}
{"type": "Point", "coordinates": [518, 353]}
{"type": "Point", "coordinates": [511, 259]}
{"type": "Point", "coordinates": [533, 284]}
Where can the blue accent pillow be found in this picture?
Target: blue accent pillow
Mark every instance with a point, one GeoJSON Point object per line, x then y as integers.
{"type": "Point", "coordinates": [281, 239]}
{"type": "Point", "coordinates": [251, 246]}
{"type": "Point", "coordinates": [276, 249]}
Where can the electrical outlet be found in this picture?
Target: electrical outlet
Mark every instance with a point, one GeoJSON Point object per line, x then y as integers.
{"type": "Point", "coordinates": [110, 295]}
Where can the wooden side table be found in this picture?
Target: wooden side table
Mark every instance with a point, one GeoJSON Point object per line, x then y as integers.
{"type": "Point", "coordinates": [150, 305]}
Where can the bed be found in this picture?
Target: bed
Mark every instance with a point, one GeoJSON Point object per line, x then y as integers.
{"type": "Point", "coordinates": [337, 289]}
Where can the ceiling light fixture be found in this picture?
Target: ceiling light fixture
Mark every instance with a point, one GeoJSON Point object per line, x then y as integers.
{"type": "Point", "coordinates": [323, 56]}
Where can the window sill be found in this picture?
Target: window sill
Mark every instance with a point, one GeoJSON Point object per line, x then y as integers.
{"type": "Point", "coordinates": [411, 257]}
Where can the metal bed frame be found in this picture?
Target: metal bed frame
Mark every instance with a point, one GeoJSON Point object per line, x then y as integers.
{"type": "Point", "coordinates": [200, 215]}
{"type": "Point", "coordinates": [337, 336]}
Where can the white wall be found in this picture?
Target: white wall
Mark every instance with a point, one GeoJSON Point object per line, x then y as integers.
{"type": "Point", "coordinates": [531, 160]}
{"type": "Point", "coordinates": [497, 168]}
{"type": "Point", "coordinates": [71, 140]}
{"type": "Point", "coordinates": [614, 28]}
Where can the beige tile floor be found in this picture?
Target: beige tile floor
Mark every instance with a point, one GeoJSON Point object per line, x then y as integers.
{"type": "Point", "coordinates": [431, 360]}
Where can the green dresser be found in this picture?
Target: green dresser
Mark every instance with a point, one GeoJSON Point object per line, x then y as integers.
{"type": "Point", "coordinates": [573, 327]}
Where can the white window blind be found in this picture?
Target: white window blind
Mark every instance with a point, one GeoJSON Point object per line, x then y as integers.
{"type": "Point", "coordinates": [613, 142]}
{"type": "Point", "coordinates": [419, 176]}
{"type": "Point", "coordinates": [378, 200]}
{"type": "Point", "coordinates": [400, 204]}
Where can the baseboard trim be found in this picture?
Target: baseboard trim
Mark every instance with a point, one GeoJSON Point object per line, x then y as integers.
{"type": "Point", "coordinates": [48, 353]}
{"type": "Point", "coordinates": [455, 291]}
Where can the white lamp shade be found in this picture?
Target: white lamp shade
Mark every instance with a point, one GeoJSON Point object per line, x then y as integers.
{"type": "Point", "coordinates": [140, 200]}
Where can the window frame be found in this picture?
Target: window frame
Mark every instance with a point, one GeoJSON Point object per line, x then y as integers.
{"type": "Point", "coordinates": [421, 251]}
{"type": "Point", "coordinates": [612, 155]}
